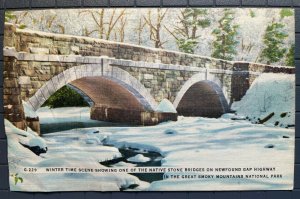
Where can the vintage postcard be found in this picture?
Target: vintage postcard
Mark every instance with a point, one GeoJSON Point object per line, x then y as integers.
{"type": "Point", "coordinates": [178, 99]}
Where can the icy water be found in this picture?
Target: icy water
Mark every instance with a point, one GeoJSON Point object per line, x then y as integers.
{"type": "Point", "coordinates": [56, 127]}
{"type": "Point", "coordinates": [155, 161]}
{"type": "Point", "coordinates": [72, 138]}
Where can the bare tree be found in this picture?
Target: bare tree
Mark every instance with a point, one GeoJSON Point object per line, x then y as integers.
{"type": "Point", "coordinates": [155, 25]}
{"type": "Point", "coordinates": [45, 20]}
{"type": "Point", "coordinates": [139, 29]}
{"type": "Point", "coordinates": [98, 18]}
{"type": "Point", "coordinates": [105, 26]}
{"type": "Point", "coordinates": [120, 30]}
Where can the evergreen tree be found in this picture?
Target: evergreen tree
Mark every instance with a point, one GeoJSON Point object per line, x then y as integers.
{"type": "Point", "coordinates": [286, 12]}
{"type": "Point", "coordinates": [252, 14]}
{"type": "Point", "coordinates": [185, 32]}
{"type": "Point", "coordinates": [273, 39]}
{"type": "Point", "coordinates": [290, 59]}
{"type": "Point", "coordinates": [224, 45]}
{"type": "Point", "coordinates": [65, 97]}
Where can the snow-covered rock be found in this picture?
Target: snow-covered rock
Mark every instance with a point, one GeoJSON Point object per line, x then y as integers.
{"type": "Point", "coordinates": [92, 140]}
{"type": "Point", "coordinates": [20, 139]}
{"type": "Point", "coordinates": [165, 106]}
{"type": "Point", "coordinates": [29, 112]}
{"type": "Point", "coordinates": [138, 158]}
{"type": "Point", "coordinates": [270, 97]}
{"type": "Point", "coordinates": [37, 141]}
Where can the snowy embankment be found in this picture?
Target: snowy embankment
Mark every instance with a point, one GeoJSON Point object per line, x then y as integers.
{"type": "Point", "coordinates": [270, 100]}
{"type": "Point", "coordinates": [68, 149]}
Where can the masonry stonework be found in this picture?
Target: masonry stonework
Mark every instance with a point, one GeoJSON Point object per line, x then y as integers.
{"type": "Point", "coordinates": [34, 60]}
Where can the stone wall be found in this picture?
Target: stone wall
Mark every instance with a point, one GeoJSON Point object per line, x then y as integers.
{"type": "Point", "coordinates": [161, 83]}
{"type": "Point", "coordinates": [13, 108]}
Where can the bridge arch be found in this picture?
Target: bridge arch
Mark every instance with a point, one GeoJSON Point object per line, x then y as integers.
{"type": "Point", "coordinates": [95, 74]}
{"type": "Point", "coordinates": [202, 95]}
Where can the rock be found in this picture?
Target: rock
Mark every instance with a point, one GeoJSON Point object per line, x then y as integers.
{"type": "Point", "coordinates": [261, 121]}
{"type": "Point", "coordinates": [283, 115]}
{"type": "Point", "coordinates": [36, 149]}
{"type": "Point", "coordinates": [132, 186]}
{"type": "Point", "coordinates": [170, 132]}
{"type": "Point", "coordinates": [269, 146]}
{"type": "Point", "coordinates": [138, 158]}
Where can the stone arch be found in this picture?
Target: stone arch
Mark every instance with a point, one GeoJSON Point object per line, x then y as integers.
{"type": "Point", "coordinates": [106, 71]}
{"type": "Point", "coordinates": [202, 95]}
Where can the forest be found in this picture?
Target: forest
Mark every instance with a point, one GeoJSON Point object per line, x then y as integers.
{"type": "Point", "coordinates": [254, 35]}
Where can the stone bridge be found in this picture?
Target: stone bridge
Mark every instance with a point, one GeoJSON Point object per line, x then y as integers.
{"type": "Point", "coordinates": [120, 80]}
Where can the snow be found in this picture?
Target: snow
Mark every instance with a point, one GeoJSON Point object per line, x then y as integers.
{"type": "Point", "coordinates": [165, 106]}
{"type": "Point", "coordinates": [17, 152]}
{"type": "Point", "coordinates": [37, 141]}
{"type": "Point", "coordinates": [75, 114]}
{"type": "Point", "coordinates": [204, 142]}
{"type": "Point", "coordinates": [188, 142]}
{"type": "Point", "coordinates": [65, 150]}
{"type": "Point", "coordinates": [270, 93]}
{"type": "Point", "coordinates": [138, 158]}
{"type": "Point", "coordinates": [29, 112]}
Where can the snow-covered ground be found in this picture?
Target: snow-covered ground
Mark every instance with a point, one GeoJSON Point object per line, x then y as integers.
{"type": "Point", "coordinates": [66, 149]}
{"type": "Point", "coordinates": [64, 115]}
{"type": "Point", "coordinates": [189, 142]}
{"type": "Point", "coordinates": [203, 142]}
{"type": "Point", "coordinates": [270, 93]}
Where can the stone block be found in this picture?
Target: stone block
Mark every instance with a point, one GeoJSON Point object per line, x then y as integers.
{"type": "Point", "coordinates": [44, 77]}
{"type": "Point", "coordinates": [60, 80]}
{"type": "Point", "coordinates": [51, 88]}
{"type": "Point", "coordinates": [75, 49]}
{"type": "Point", "coordinates": [40, 97]}
{"type": "Point", "coordinates": [10, 83]}
{"type": "Point", "coordinates": [35, 50]}
{"type": "Point", "coordinates": [63, 51]}
{"type": "Point", "coordinates": [36, 84]}
{"type": "Point", "coordinates": [45, 92]}
{"type": "Point", "coordinates": [40, 57]}
{"type": "Point", "coordinates": [24, 80]}
{"type": "Point", "coordinates": [148, 76]}
{"type": "Point", "coordinates": [72, 74]}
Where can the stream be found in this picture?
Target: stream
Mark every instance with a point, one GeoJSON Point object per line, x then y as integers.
{"type": "Point", "coordinates": [155, 161]}
{"type": "Point", "coordinates": [52, 130]}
